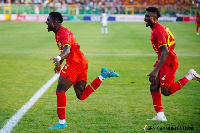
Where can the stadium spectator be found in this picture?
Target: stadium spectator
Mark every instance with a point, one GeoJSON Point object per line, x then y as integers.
{"type": "Point", "coordinates": [182, 7]}
{"type": "Point", "coordinates": [37, 10]}
{"type": "Point", "coordinates": [164, 72]}
{"type": "Point", "coordinates": [74, 71]}
{"type": "Point", "coordinates": [198, 22]}
{"type": "Point", "coordinates": [197, 3]}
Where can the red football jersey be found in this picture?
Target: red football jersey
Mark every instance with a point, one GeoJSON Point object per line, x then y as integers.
{"type": "Point", "coordinates": [161, 36]}
{"type": "Point", "coordinates": [66, 37]}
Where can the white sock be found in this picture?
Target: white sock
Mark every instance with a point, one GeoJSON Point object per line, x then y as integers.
{"type": "Point", "coordinates": [160, 114]}
{"type": "Point", "coordinates": [101, 78]}
{"type": "Point", "coordinates": [189, 76]}
{"type": "Point", "coordinates": [62, 121]}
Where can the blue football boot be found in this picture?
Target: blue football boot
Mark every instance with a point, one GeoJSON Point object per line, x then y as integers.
{"type": "Point", "coordinates": [105, 73]}
{"type": "Point", "coordinates": [59, 126]}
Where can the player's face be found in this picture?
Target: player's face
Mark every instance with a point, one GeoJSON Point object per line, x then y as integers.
{"type": "Point", "coordinates": [149, 19]}
{"type": "Point", "coordinates": [50, 22]}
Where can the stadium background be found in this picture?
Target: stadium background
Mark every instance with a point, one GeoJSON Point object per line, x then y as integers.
{"type": "Point", "coordinates": [89, 10]}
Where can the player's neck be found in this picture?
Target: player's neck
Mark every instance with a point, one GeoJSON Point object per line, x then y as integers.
{"type": "Point", "coordinates": [153, 25]}
{"type": "Point", "coordinates": [57, 28]}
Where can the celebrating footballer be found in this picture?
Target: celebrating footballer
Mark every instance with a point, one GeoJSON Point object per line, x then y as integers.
{"type": "Point", "coordinates": [163, 75]}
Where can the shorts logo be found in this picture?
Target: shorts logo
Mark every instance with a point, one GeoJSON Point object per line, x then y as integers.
{"type": "Point", "coordinates": [63, 71]}
{"type": "Point", "coordinates": [66, 66]}
{"type": "Point", "coordinates": [163, 78]}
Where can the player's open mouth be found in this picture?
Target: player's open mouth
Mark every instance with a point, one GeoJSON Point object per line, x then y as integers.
{"type": "Point", "coordinates": [146, 23]}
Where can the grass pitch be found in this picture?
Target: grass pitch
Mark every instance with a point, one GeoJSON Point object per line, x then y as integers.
{"type": "Point", "coordinates": [120, 104]}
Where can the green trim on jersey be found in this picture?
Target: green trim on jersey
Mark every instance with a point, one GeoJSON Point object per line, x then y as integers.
{"type": "Point", "coordinates": [162, 45]}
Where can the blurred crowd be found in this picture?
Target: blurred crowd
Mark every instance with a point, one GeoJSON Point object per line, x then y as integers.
{"type": "Point", "coordinates": [107, 2]}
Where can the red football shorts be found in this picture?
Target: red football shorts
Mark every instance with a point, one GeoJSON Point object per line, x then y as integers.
{"type": "Point", "coordinates": [74, 72]}
{"type": "Point", "coordinates": [198, 24]}
{"type": "Point", "coordinates": [167, 75]}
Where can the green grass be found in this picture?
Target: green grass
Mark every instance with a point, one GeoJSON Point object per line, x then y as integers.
{"type": "Point", "coordinates": [120, 104]}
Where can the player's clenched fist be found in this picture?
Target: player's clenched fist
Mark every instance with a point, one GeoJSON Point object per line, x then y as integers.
{"type": "Point", "coordinates": [57, 69]}
{"type": "Point", "coordinates": [56, 62]}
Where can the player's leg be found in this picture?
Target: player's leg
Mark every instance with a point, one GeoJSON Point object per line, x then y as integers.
{"type": "Point", "coordinates": [197, 29]}
{"type": "Point", "coordinates": [79, 87]}
{"type": "Point", "coordinates": [83, 92]}
{"type": "Point", "coordinates": [63, 85]}
{"type": "Point", "coordinates": [157, 103]}
{"type": "Point", "coordinates": [66, 80]}
{"type": "Point", "coordinates": [192, 75]}
{"type": "Point", "coordinates": [102, 29]}
{"type": "Point", "coordinates": [106, 29]}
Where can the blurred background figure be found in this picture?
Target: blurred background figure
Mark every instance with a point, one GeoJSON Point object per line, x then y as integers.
{"type": "Point", "coordinates": [198, 22]}
{"type": "Point", "coordinates": [104, 22]}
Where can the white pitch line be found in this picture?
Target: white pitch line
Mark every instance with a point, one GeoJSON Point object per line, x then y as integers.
{"type": "Point", "coordinates": [189, 55]}
{"type": "Point", "coordinates": [7, 128]}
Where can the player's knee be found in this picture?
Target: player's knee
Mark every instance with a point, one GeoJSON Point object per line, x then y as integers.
{"type": "Point", "coordinates": [79, 97]}
{"type": "Point", "coordinates": [154, 88]}
{"type": "Point", "coordinates": [165, 91]}
{"type": "Point", "coordinates": [82, 97]}
{"type": "Point", "coordinates": [165, 94]}
{"type": "Point", "coordinates": [60, 88]}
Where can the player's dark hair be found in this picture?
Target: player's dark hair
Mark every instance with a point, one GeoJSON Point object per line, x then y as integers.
{"type": "Point", "coordinates": [57, 16]}
{"type": "Point", "coordinates": [154, 10]}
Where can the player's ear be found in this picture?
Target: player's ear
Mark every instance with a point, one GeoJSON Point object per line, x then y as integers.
{"type": "Point", "coordinates": [54, 21]}
{"type": "Point", "coordinates": [154, 17]}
